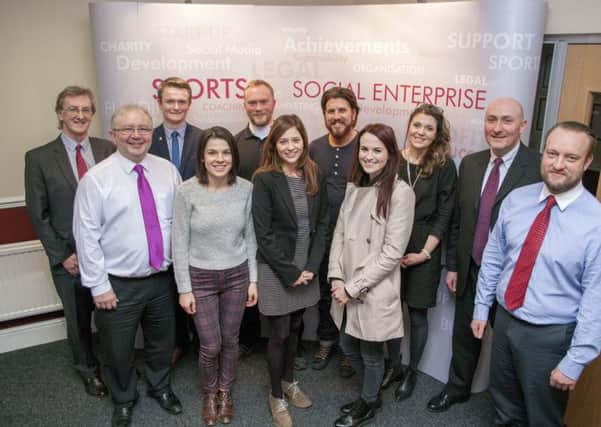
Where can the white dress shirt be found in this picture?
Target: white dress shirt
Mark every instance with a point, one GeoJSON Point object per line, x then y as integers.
{"type": "Point", "coordinates": [503, 167]}
{"type": "Point", "coordinates": [107, 221]}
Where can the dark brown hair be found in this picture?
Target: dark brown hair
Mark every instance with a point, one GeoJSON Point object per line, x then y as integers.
{"type": "Point", "coordinates": [270, 160]}
{"type": "Point", "coordinates": [385, 181]}
{"type": "Point", "coordinates": [175, 82]}
{"type": "Point", "coordinates": [72, 91]}
{"type": "Point", "coordinates": [217, 132]}
{"type": "Point", "coordinates": [342, 93]}
{"type": "Point", "coordinates": [438, 153]}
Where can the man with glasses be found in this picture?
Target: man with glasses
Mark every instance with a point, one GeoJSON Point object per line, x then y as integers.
{"type": "Point", "coordinates": [52, 174]}
{"type": "Point", "coordinates": [177, 141]}
{"type": "Point", "coordinates": [122, 226]}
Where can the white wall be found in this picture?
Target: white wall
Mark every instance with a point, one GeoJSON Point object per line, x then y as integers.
{"type": "Point", "coordinates": [46, 45]}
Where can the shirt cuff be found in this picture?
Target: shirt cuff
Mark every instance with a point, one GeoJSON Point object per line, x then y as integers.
{"type": "Point", "coordinates": [570, 368]}
{"type": "Point", "coordinates": [481, 312]}
{"type": "Point", "coordinates": [101, 289]}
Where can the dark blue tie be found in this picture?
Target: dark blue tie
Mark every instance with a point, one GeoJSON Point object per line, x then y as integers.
{"type": "Point", "coordinates": [175, 149]}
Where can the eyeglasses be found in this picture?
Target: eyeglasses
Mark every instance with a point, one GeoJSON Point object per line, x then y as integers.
{"type": "Point", "coordinates": [128, 131]}
{"type": "Point", "coordinates": [86, 111]}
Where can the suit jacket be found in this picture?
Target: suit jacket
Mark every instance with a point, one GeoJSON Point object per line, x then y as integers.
{"type": "Point", "coordinates": [50, 187]}
{"type": "Point", "coordinates": [159, 147]}
{"type": "Point", "coordinates": [276, 225]}
{"type": "Point", "coordinates": [366, 252]}
{"type": "Point", "coordinates": [524, 170]}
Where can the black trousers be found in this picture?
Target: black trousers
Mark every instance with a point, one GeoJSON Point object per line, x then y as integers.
{"type": "Point", "coordinates": [149, 302]}
{"type": "Point", "coordinates": [523, 356]}
{"type": "Point", "coordinates": [466, 348]}
{"type": "Point", "coordinates": [326, 328]}
{"type": "Point", "coordinates": [78, 307]}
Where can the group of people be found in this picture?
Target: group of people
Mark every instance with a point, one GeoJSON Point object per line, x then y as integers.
{"type": "Point", "coordinates": [268, 222]}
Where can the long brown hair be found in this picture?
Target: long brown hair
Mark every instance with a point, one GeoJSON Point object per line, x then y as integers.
{"type": "Point", "coordinates": [385, 181]}
{"type": "Point", "coordinates": [439, 151]}
{"type": "Point", "coordinates": [271, 161]}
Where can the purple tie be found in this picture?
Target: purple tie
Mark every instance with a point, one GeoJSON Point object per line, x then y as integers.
{"type": "Point", "coordinates": [487, 201]}
{"type": "Point", "coordinates": [151, 220]}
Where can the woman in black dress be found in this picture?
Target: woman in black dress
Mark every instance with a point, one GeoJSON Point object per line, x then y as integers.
{"type": "Point", "coordinates": [290, 213]}
{"type": "Point", "coordinates": [427, 167]}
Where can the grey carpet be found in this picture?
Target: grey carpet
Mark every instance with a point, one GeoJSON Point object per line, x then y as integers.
{"type": "Point", "coordinates": [38, 388]}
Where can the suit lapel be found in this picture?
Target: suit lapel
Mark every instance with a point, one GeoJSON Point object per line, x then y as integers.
{"type": "Point", "coordinates": [514, 174]}
{"type": "Point", "coordinates": [162, 148]}
{"type": "Point", "coordinates": [62, 160]}
{"type": "Point", "coordinates": [97, 151]}
{"type": "Point", "coordinates": [283, 191]}
{"type": "Point", "coordinates": [187, 154]}
{"type": "Point", "coordinates": [478, 178]}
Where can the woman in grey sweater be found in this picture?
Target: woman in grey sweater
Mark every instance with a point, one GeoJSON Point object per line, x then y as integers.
{"type": "Point", "coordinates": [214, 257]}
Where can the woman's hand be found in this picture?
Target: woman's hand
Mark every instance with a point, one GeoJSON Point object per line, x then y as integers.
{"type": "Point", "coordinates": [308, 276]}
{"type": "Point", "coordinates": [253, 294]}
{"type": "Point", "coordinates": [188, 302]}
{"type": "Point", "coordinates": [338, 292]}
{"type": "Point", "coordinates": [302, 280]}
{"type": "Point", "coordinates": [413, 259]}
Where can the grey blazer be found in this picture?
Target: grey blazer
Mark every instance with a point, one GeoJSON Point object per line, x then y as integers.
{"type": "Point", "coordinates": [50, 187]}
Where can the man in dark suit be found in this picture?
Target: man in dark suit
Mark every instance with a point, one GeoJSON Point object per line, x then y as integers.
{"type": "Point", "coordinates": [259, 103]}
{"type": "Point", "coordinates": [485, 179]}
{"type": "Point", "coordinates": [52, 173]}
{"type": "Point", "coordinates": [177, 141]}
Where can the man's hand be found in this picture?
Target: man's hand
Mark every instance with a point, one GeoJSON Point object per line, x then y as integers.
{"type": "Point", "coordinates": [253, 294]}
{"type": "Point", "coordinates": [71, 265]}
{"type": "Point", "coordinates": [478, 327]}
{"type": "Point", "coordinates": [560, 381]}
{"type": "Point", "coordinates": [188, 302]}
{"type": "Point", "coordinates": [452, 281]}
{"type": "Point", "coordinates": [106, 301]}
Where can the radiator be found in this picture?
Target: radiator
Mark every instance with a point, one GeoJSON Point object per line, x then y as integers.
{"type": "Point", "coordinates": [26, 286]}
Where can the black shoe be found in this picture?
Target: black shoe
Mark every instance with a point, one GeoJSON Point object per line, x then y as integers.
{"type": "Point", "coordinates": [169, 402]}
{"type": "Point", "coordinates": [359, 414]}
{"type": "Point", "coordinates": [322, 356]}
{"type": "Point", "coordinates": [392, 374]}
{"type": "Point", "coordinates": [347, 408]}
{"type": "Point", "coordinates": [122, 415]}
{"type": "Point", "coordinates": [444, 401]}
{"type": "Point", "coordinates": [95, 387]}
{"type": "Point", "coordinates": [405, 388]}
{"type": "Point", "coordinates": [346, 369]}
{"type": "Point", "coordinates": [244, 351]}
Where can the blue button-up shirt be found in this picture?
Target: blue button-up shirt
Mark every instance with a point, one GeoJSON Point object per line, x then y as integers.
{"type": "Point", "coordinates": [565, 285]}
{"type": "Point", "coordinates": [86, 153]}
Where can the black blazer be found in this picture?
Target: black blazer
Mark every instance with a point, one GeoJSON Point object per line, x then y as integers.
{"type": "Point", "coordinates": [50, 187]}
{"type": "Point", "coordinates": [276, 225]}
{"type": "Point", "coordinates": [159, 147]}
{"type": "Point", "coordinates": [524, 170]}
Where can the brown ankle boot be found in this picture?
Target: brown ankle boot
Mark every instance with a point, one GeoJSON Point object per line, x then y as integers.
{"type": "Point", "coordinates": [279, 412]}
{"type": "Point", "coordinates": [225, 407]}
{"type": "Point", "coordinates": [209, 409]}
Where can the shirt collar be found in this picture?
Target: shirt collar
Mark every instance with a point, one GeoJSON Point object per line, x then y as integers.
{"type": "Point", "coordinates": [563, 199]}
{"type": "Point", "coordinates": [180, 130]}
{"type": "Point", "coordinates": [260, 132]}
{"type": "Point", "coordinates": [128, 166]}
{"type": "Point", "coordinates": [70, 144]}
{"type": "Point", "coordinates": [507, 158]}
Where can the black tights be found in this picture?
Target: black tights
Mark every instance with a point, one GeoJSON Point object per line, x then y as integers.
{"type": "Point", "coordinates": [281, 348]}
{"type": "Point", "coordinates": [419, 335]}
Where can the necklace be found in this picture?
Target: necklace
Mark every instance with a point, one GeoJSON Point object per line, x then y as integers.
{"type": "Point", "coordinates": [417, 176]}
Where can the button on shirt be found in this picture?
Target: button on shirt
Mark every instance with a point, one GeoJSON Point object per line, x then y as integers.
{"type": "Point", "coordinates": [86, 152]}
{"type": "Point", "coordinates": [108, 225]}
{"type": "Point", "coordinates": [182, 134]}
{"type": "Point", "coordinates": [503, 167]}
{"type": "Point", "coordinates": [565, 285]}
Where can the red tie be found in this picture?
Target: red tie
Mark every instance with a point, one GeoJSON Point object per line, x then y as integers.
{"type": "Point", "coordinates": [518, 283]}
{"type": "Point", "coordinates": [82, 168]}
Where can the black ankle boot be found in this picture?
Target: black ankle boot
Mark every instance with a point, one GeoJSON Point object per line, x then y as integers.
{"type": "Point", "coordinates": [405, 388]}
{"type": "Point", "coordinates": [348, 407]}
{"type": "Point", "coordinates": [361, 412]}
{"type": "Point", "coordinates": [393, 373]}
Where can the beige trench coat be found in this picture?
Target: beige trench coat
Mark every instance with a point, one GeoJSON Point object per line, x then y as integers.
{"type": "Point", "coordinates": [365, 253]}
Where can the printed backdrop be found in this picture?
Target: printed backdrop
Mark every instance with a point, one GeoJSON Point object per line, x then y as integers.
{"type": "Point", "coordinates": [458, 56]}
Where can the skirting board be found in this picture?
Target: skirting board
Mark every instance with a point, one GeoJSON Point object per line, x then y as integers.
{"type": "Point", "coordinates": [33, 334]}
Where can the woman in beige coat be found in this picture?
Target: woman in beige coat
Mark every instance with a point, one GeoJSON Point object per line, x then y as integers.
{"type": "Point", "coordinates": [369, 241]}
